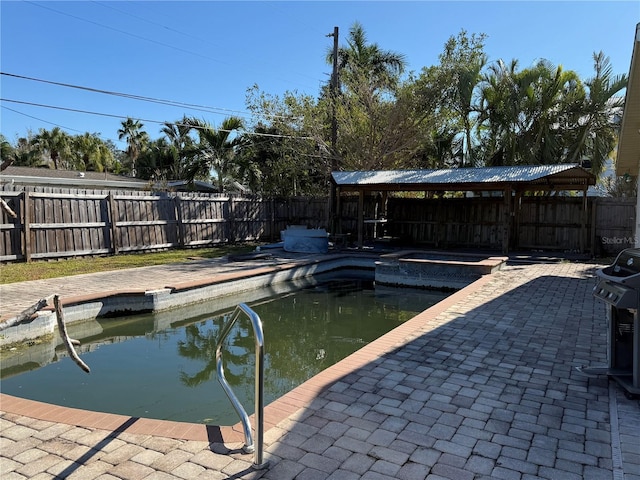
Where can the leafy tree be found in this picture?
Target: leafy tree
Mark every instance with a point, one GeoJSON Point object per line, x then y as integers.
{"type": "Point", "coordinates": [136, 138]}
{"type": "Point", "coordinates": [155, 160]}
{"type": "Point", "coordinates": [7, 153]}
{"type": "Point", "coordinates": [620, 186]}
{"type": "Point", "coordinates": [23, 154]}
{"type": "Point", "coordinates": [375, 130]}
{"type": "Point", "coordinates": [287, 145]}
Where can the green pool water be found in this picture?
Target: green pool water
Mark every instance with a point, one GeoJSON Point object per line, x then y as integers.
{"type": "Point", "coordinates": [148, 366]}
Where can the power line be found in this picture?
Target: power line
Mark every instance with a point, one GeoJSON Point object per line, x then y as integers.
{"type": "Point", "coordinates": [40, 119]}
{"type": "Point", "coordinates": [189, 35]}
{"type": "Point", "coordinates": [172, 103]}
{"type": "Point", "coordinates": [110, 115]}
{"type": "Point", "coordinates": [140, 37]}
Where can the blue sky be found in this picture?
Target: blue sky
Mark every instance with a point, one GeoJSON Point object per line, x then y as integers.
{"type": "Point", "coordinates": [209, 52]}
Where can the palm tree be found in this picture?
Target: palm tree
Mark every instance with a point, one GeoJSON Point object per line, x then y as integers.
{"type": "Point", "coordinates": [459, 76]}
{"type": "Point", "coordinates": [136, 139]}
{"type": "Point", "coordinates": [216, 151]}
{"type": "Point", "coordinates": [381, 68]}
{"type": "Point", "coordinates": [182, 148]}
{"type": "Point", "coordinates": [597, 117]}
{"type": "Point", "coordinates": [7, 153]}
{"type": "Point", "coordinates": [514, 104]}
{"type": "Point", "coordinates": [92, 154]}
{"type": "Point", "coordinates": [371, 77]}
{"type": "Point", "coordinates": [554, 92]}
{"type": "Point", "coordinates": [54, 143]}
{"type": "Point", "coordinates": [468, 78]}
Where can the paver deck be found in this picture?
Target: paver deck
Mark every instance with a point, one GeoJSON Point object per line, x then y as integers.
{"type": "Point", "coordinates": [481, 386]}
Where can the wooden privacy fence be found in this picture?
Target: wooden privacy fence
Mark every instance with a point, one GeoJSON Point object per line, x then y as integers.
{"type": "Point", "coordinates": [56, 223]}
{"type": "Point", "coordinates": [557, 223]}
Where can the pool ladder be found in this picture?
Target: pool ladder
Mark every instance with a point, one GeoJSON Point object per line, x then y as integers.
{"type": "Point", "coordinates": [249, 447]}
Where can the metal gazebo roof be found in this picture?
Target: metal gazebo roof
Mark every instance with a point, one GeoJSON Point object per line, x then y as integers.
{"type": "Point", "coordinates": [525, 177]}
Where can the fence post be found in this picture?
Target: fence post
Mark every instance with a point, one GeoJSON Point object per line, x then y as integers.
{"type": "Point", "coordinates": [27, 226]}
{"type": "Point", "coordinates": [177, 208]}
{"type": "Point", "coordinates": [113, 227]}
{"type": "Point", "coordinates": [272, 219]}
{"type": "Point", "coordinates": [231, 222]}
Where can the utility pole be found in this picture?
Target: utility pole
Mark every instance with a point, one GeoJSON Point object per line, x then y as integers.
{"type": "Point", "coordinates": [334, 93]}
{"type": "Point", "coordinates": [334, 132]}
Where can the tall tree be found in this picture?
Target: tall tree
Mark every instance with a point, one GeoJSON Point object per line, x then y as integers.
{"type": "Point", "coordinates": [360, 59]}
{"type": "Point", "coordinates": [182, 146]}
{"type": "Point", "coordinates": [597, 117]}
{"type": "Point", "coordinates": [461, 66]}
{"type": "Point", "coordinates": [55, 143]}
{"type": "Point", "coordinates": [136, 138]}
{"type": "Point", "coordinates": [216, 151]}
{"type": "Point", "coordinates": [288, 146]}
{"type": "Point", "coordinates": [91, 153]}
{"type": "Point", "coordinates": [371, 123]}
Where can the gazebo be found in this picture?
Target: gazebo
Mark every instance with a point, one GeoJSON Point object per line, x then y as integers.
{"type": "Point", "coordinates": [513, 182]}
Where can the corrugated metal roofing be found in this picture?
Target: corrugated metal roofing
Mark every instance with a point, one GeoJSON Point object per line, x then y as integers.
{"type": "Point", "coordinates": [457, 176]}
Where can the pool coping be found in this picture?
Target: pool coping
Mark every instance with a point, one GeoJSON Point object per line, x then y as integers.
{"type": "Point", "coordinates": [281, 409]}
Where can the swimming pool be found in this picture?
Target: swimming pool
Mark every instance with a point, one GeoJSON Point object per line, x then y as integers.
{"type": "Point", "coordinates": [163, 365]}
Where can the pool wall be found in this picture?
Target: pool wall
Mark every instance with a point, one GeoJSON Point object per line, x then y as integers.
{"type": "Point", "coordinates": [178, 295]}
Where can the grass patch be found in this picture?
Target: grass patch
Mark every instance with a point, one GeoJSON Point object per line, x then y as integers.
{"type": "Point", "coordinates": [43, 269]}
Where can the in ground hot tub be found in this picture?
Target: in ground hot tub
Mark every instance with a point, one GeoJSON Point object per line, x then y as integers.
{"type": "Point", "coordinates": [436, 270]}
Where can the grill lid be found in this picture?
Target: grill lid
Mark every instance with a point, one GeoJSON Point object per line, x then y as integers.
{"type": "Point", "coordinates": [627, 263]}
{"type": "Point", "coordinates": [619, 284]}
{"type": "Point", "coordinates": [625, 270]}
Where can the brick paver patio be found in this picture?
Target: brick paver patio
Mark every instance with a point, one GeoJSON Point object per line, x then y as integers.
{"type": "Point", "coordinates": [481, 387]}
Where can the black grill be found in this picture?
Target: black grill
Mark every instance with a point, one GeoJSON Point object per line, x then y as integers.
{"type": "Point", "coordinates": [619, 287]}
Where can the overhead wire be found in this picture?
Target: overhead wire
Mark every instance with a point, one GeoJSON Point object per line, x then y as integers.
{"type": "Point", "coordinates": [172, 103]}
{"type": "Point", "coordinates": [140, 37]}
{"type": "Point", "coordinates": [188, 35]}
{"type": "Point", "coordinates": [124, 32]}
{"type": "Point", "coordinates": [204, 108]}
{"type": "Point", "coordinates": [160, 122]}
{"type": "Point", "coordinates": [40, 119]}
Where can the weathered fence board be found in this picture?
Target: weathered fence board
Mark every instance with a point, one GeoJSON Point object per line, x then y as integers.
{"type": "Point", "coordinates": [614, 220]}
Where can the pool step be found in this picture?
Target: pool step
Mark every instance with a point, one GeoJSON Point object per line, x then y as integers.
{"type": "Point", "coordinates": [434, 270]}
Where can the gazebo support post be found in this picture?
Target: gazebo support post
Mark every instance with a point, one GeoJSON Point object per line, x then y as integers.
{"type": "Point", "coordinates": [506, 220]}
{"type": "Point", "coordinates": [338, 224]}
{"type": "Point", "coordinates": [516, 223]}
{"type": "Point", "coordinates": [360, 218]}
{"type": "Point", "coordinates": [583, 223]}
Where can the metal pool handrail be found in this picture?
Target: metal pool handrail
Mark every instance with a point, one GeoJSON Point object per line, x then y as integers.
{"type": "Point", "coordinates": [259, 390]}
